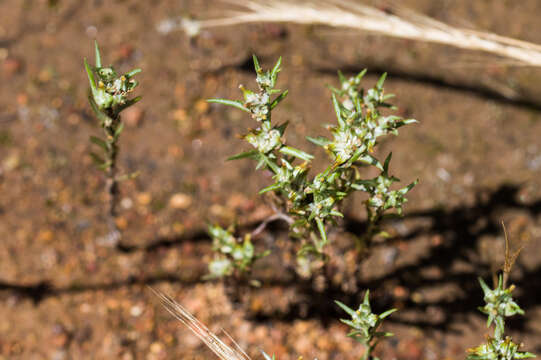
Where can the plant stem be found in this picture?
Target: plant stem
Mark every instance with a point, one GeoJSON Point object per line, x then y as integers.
{"type": "Point", "coordinates": [368, 352]}
{"type": "Point", "coordinates": [264, 223]}
{"type": "Point", "coordinates": [111, 183]}
{"type": "Point", "coordinates": [234, 288]}
{"type": "Point", "coordinates": [374, 220]}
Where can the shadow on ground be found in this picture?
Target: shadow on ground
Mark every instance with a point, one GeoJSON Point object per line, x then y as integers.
{"type": "Point", "coordinates": [461, 229]}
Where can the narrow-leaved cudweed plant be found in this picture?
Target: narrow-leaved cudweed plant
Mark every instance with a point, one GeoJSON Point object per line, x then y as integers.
{"type": "Point", "coordinates": [108, 97]}
{"type": "Point", "coordinates": [236, 255]}
{"type": "Point", "coordinates": [364, 325]}
{"type": "Point", "coordinates": [499, 304]}
{"type": "Point", "coordinates": [311, 203]}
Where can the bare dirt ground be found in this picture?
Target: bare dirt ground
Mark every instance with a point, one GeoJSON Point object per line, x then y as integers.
{"type": "Point", "coordinates": [63, 296]}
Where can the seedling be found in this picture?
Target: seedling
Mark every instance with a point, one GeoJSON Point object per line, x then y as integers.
{"type": "Point", "coordinates": [108, 97]}
{"type": "Point", "coordinates": [499, 304]}
{"type": "Point", "coordinates": [233, 256]}
{"type": "Point", "coordinates": [364, 325]}
{"type": "Point", "coordinates": [312, 204]}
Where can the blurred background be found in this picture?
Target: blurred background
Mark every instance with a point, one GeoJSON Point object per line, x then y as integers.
{"type": "Point", "coordinates": [63, 295]}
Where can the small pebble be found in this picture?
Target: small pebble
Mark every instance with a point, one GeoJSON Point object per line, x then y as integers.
{"type": "Point", "coordinates": [180, 201]}
{"type": "Point", "coordinates": [91, 31]}
{"type": "Point", "coordinates": [144, 198]}
{"type": "Point", "coordinates": [136, 311]}
{"type": "Point", "coordinates": [126, 203]}
{"type": "Point", "coordinates": [156, 347]}
{"type": "Point", "coordinates": [201, 106]}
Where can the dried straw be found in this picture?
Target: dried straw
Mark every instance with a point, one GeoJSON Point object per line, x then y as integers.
{"type": "Point", "coordinates": [210, 339]}
{"type": "Point", "coordinates": [401, 24]}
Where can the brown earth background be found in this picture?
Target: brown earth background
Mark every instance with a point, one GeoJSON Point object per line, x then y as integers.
{"type": "Point", "coordinates": [63, 296]}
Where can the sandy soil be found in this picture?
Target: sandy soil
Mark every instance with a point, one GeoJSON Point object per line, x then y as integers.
{"type": "Point", "coordinates": [63, 296]}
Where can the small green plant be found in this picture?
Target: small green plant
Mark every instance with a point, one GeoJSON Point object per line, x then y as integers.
{"type": "Point", "coordinates": [108, 97]}
{"type": "Point", "coordinates": [233, 256]}
{"type": "Point", "coordinates": [364, 325]}
{"type": "Point", "coordinates": [311, 204]}
{"type": "Point", "coordinates": [499, 304]}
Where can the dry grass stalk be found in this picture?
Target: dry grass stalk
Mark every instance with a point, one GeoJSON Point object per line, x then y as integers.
{"type": "Point", "coordinates": [402, 23]}
{"type": "Point", "coordinates": [510, 258]}
{"type": "Point", "coordinates": [214, 343]}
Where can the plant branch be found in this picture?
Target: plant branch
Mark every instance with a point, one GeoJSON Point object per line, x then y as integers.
{"type": "Point", "coordinates": [264, 223]}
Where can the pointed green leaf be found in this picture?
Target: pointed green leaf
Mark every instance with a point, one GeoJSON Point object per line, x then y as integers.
{"type": "Point", "coordinates": [366, 300]}
{"type": "Point", "coordinates": [128, 103]}
{"type": "Point", "coordinates": [282, 128]}
{"type": "Point", "coordinates": [359, 105]}
{"type": "Point", "coordinates": [334, 90]}
{"type": "Point", "coordinates": [276, 69]}
{"type": "Point", "coordinates": [132, 84]}
{"type": "Point", "coordinates": [260, 163]}
{"type": "Point", "coordinates": [247, 154]}
{"type": "Point", "coordinates": [233, 103]}
{"type": "Point", "coordinates": [383, 334]}
{"type": "Point", "coordinates": [369, 182]}
{"type": "Point", "coordinates": [296, 153]}
{"type": "Point", "coordinates": [96, 158]}
{"type": "Point", "coordinates": [358, 187]}
{"type": "Point", "coordinates": [341, 77]}
{"type": "Point", "coordinates": [368, 159]}
{"type": "Point", "coordinates": [387, 162]}
{"type": "Point", "coordinates": [337, 110]}
{"type": "Point", "coordinates": [484, 286]}
{"type": "Point", "coordinates": [129, 176]}
{"type": "Point", "coordinates": [272, 187]}
{"type": "Point", "coordinates": [352, 324]}
{"type": "Point", "coordinates": [381, 80]}
{"type": "Point", "coordinates": [102, 117]}
{"type": "Point", "coordinates": [91, 78]}
{"type": "Point", "coordinates": [387, 313]}
{"type": "Point", "coordinates": [346, 308]}
{"type": "Point", "coordinates": [500, 281]}
{"type": "Point", "coordinates": [263, 254]}
{"type": "Point", "coordinates": [98, 57]}
{"type": "Point", "coordinates": [322, 233]}
{"type": "Point", "coordinates": [361, 74]}
{"type": "Point", "coordinates": [410, 121]}
{"type": "Point", "coordinates": [256, 64]}
{"type": "Point", "coordinates": [105, 166]}
{"type": "Point", "coordinates": [524, 355]}
{"type": "Point", "coordinates": [270, 163]}
{"type": "Point", "coordinates": [405, 190]}
{"type": "Point", "coordinates": [101, 143]}
{"type": "Point", "coordinates": [280, 97]}
{"type": "Point", "coordinates": [133, 73]}
{"type": "Point", "coordinates": [320, 140]}
{"type": "Point", "coordinates": [119, 130]}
